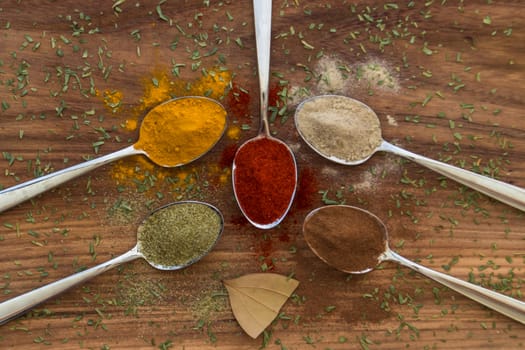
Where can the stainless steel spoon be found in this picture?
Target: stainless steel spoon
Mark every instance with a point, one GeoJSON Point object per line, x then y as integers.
{"type": "Point", "coordinates": [335, 243]}
{"type": "Point", "coordinates": [504, 192]}
{"type": "Point", "coordinates": [17, 306]}
{"type": "Point", "coordinates": [19, 193]}
{"type": "Point", "coordinates": [263, 25]}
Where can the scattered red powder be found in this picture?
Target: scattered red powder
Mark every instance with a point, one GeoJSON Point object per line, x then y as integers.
{"type": "Point", "coordinates": [307, 189]}
{"type": "Point", "coordinates": [227, 156]}
{"type": "Point", "coordinates": [238, 102]}
{"type": "Point", "coordinates": [273, 94]}
{"type": "Point", "coordinates": [264, 249]}
{"type": "Point", "coordinates": [284, 237]}
{"type": "Point", "coordinates": [238, 220]}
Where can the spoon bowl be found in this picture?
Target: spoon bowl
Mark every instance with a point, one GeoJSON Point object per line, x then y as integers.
{"type": "Point", "coordinates": [254, 202]}
{"type": "Point", "coordinates": [17, 306]}
{"type": "Point", "coordinates": [264, 203]}
{"type": "Point", "coordinates": [355, 241]}
{"type": "Point", "coordinates": [347, 131]}
{"type": "Point", "coordinates": [168, 259]}
{"type": "Point", "coordinates": [151, 126]}
{"type": "Point", "coordinates": [333, 115]}
{"type": "Point", "coordinates": [166, 151]}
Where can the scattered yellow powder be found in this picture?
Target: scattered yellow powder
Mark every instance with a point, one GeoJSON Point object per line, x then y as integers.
{"type": "Point", "coordinates": [184, 178]}
{"type": "Point", "coordinates": [126, 170]}
{"type": "Point", "coordinates": [131, 124]}
{"type": "Point", "coordinates": [213, 84]}
{"type": "Point", "coordinates": [113, 100]}
{"type": "Point", "coordinates": [225, 176]}
{"type": "Point", "coordinates": [222, 176]}
{"type": "Point", "coordinates": [140, 173]}
{"type": "Point", "coordinates": [157, 89]}
{"type": "Point", "coordinates": [233, 132]}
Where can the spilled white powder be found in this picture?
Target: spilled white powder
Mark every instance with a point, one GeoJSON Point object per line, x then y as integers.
{"type": "Point", "coordinates": [376, 74]}
{"type": "Point", "coordinates": [391, 120]}
{"type": "Point", "coordinates": [333, 78]}
{"type": "Point", "coordinates": [336, 76]}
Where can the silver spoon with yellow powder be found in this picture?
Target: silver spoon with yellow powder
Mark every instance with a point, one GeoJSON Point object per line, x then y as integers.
{"type": "Point", "coordinates": [172, 134]}
{"type": "Point", "coordinates": [347, 131]}
{"type": "Point", "coordinates": [171, 238]}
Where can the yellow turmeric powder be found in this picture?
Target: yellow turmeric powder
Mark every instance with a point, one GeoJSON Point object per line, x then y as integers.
{"type": "Point", "coordinates": [181, 130]}
{"type": "Point", "coordinates": [156, 90]}
{"type": "Point", "coordinates": [213, 84]}
{"type": "Point", "coordinates": [143, 174]}
{"type": "Point", "coordinates": [146, 177]}
{"type": "Point", "coordinates": [113, 100]}
{"type": "Point", "coordinates": [234, 132]}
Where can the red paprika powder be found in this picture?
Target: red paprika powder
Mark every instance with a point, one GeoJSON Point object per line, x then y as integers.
{"type": "Point", "coordinates": [264, 180]}
{"type": "Point", "coordinates": [238, 102]}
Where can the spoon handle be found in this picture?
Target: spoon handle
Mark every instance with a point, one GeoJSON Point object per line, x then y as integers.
{"type": "Point", "coordinates": [508, 306]}
{"type": "Point", "coordinates": [19, 193]}
{"type": "Point", "coordinates": [504, 192]}
{"type": "Point", "coordinates": [262, 11]}
{"type": "Point", "coordinates": [17, 306]}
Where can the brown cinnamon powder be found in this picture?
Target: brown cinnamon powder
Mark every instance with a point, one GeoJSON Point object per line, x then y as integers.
{"type": "Point", "coordinates": [345, 237]}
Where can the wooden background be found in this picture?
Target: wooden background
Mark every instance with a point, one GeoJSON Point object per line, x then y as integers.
{"type": "Point", "coordinates": [445, 78]}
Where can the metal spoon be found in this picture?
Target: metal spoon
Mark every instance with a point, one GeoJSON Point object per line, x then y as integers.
{"type": "Point", "coordinates": [504, 192]}
{"type": "Point", "coordinates": [19, 193]}
{"type": "Point", "coordinates": [263, 24]}
{"type": "Point", "coordinates": [333, 245]}
{"type": "Point", "coordinates": [17, 306]}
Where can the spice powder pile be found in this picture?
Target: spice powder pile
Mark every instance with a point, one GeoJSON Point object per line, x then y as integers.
{"type": "Point", "coordinates": [179, 234]}
{"type": "Point", "coordinates": [264, 179]}
{"type": "Point", "coordinates": [181, 130]}
{"type": "Point", "coordinates": [339, 127]}
{"type": "Point", "coordinates": [347, 238]}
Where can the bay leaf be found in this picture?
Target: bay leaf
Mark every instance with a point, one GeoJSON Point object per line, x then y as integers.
{"type": "Point", "coordinates": [257, 298]}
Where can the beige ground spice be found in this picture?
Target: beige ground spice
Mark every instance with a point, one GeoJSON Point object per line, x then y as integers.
{"type": "Point", "coordinates": [339, 127]}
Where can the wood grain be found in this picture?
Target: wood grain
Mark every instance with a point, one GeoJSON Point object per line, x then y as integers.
{"type": "Point", "coordinates": [446, 80]}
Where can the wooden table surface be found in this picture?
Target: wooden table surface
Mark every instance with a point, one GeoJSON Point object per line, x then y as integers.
{"type": "Point", "coordinates": [445, 78]}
